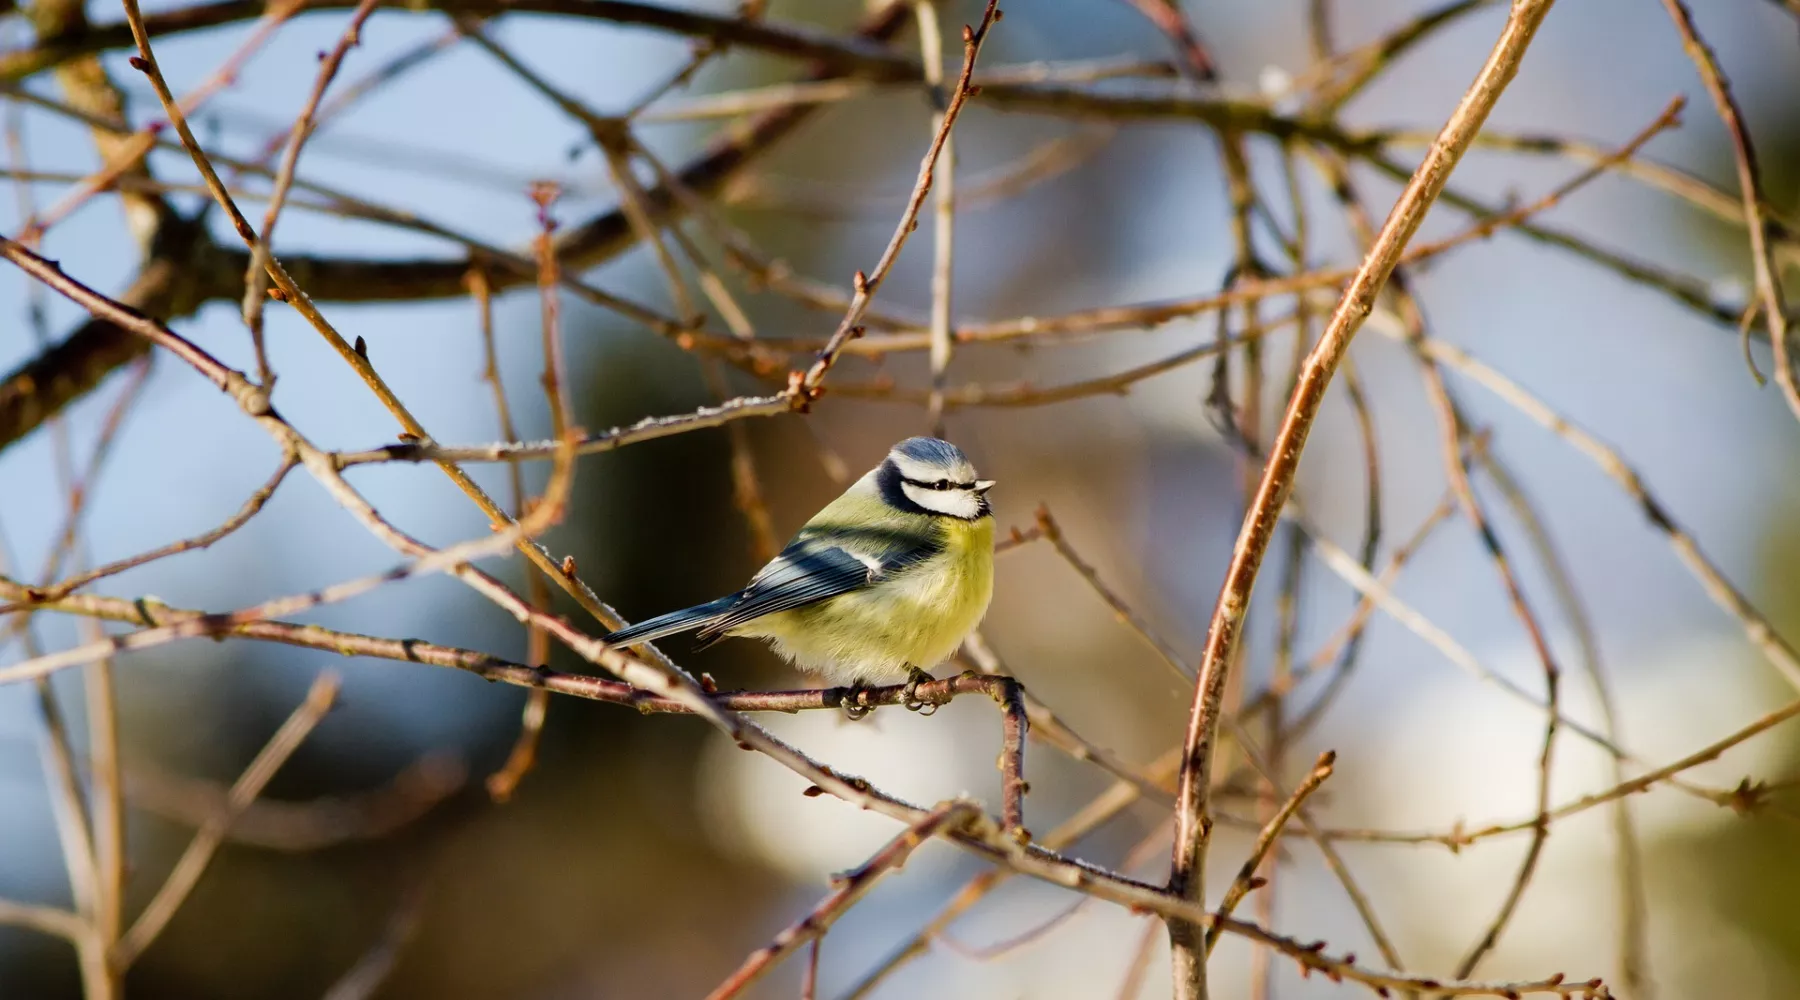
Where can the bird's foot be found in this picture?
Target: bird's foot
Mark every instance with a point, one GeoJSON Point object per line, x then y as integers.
{"type": "Point", "coordinates": [910, 695]}
{"type": "Point", "coordinates": [850, 699]}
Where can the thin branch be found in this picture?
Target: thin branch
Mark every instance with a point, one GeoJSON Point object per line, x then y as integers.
{"type": "Point", "coordinates": [191, 270]}
{"type": "Point", "coordinates": [307, 825]}
{"type": "Point", "coordinates": [1746, 799]}
{"type": "Point", "coordinates": [256, 278]}
{"type": "Point", "coordinates": [193, 861]}
{"type": "Point", "coordinates": [250, 509]}
{"type": "Point", "coordinates": [43, 919]}
{"type": "Point", "coordinates": [943, 227]}
{"type": "Point", "coordinates": [1762, 258]}
{"type": "Point", "coordinates": [793, 41]}
{"type": "Point", "coordinates": [364, 979]}
{"type": "Point", "coordinates": [1634, 949]}
{"type": "Point", "coordinates": [1188, 866]}
{"type": "Point", "coordinates": [1044, 725]}
{"type": "Point", "coordinates": [865, 284]}
{"type": "Point", "coordinates": [1758, 630]}
{"type": "Point", "coordinates": [1246, 880]}
{"type": "Point", "coordinates": [1100, 810]}
{"type": "Point", "coordinates": [850, 887]}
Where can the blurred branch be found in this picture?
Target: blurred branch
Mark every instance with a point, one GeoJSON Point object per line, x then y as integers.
{"type": "Point", "coordinates": [1767, 274]}
{"type": "Point", "coordinates": [1187, 873]}
{"type": "Point", "coordinates": [187, 871]}
{"type": "Point", "coordinates": [1758, 630]}
{"type": "Point", "coordinates": [197, 271]}
{"type": "Point", "coordinates": [1095, 814]}
{"type": "Point", "coordinates": [301, 826]}
{"type": "Point", "coordinates": [1634, 947]}
{"type": "Point", "coordinates": [43, 919]}
{"type": "Point", "coordinates": [850, 888]}
{"type": "Point", "coordinates": [251, 508]}
{"type": "Point", "coordinates": [1333, 83]}
{"type": "Point", "coordinates": [865, 284]}
{"type": "Point", "coordinates": [1246, 880]}
{"type": "Point", "coordinates": [839, 55]}
{"type": "Point", "coordinates": [364, 979]}
{"type": "Point", "coordinates": [1746, 799]}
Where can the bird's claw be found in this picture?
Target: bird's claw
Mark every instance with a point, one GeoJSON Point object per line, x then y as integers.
{"type": "Point", "coordinates": [850, 701]}
{"type": "Point", "coordinates": [909, 696]}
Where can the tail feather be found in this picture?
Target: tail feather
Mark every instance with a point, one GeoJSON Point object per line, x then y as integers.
{"type": "Point", "coordinates": [669, 624]}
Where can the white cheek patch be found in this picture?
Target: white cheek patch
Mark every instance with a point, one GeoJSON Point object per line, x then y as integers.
{"type": "Point", "coordinates": [956, 503]}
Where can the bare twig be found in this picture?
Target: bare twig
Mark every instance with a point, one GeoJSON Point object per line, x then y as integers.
{"type": "Point", "coordinates": [1246, 880]}
{"type": "Point", "coordinates": [1634, 950]}
{"type": "Point", "coordinates": [943, 227]}
{"type": "Point", "coordinates": [1191, 836]}
{"type": "Point", "coordinates": [851, 887]}
{"type": "Point", "coordinates": [1762, 259]}
{"type": "Point", "coordinates": [363, 979]}
{"type": "Point", "coordinates": [256, 279]}
{"type": "Point", "coordinates": [307, 825]}
{"type": "Point", "coordinates": [865, 284]}
{"type": "Point", "coordinates": [193, 861]}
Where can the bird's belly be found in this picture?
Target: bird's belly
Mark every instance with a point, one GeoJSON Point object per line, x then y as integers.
{"type": "Point", "coordinates": [876, 635]}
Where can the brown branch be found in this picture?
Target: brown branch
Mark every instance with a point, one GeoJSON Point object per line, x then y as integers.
{"type": "Point", "coordinates": [850, 888]}
{"type": "Point", "coordinates": [303, 826]}
{"type": "Point", "coordinates": [187, 871]}
{"type": "Point", "coordinates": [1192, 833]}
{"type": "Point", "coordinates": [984, 839]}
{"type": "Point", "coordinates": [1102, 809]}
{"type": "Point", "coordinates": [191, 270]}
{"type": "Point", "coordinates": [1762, 258]}
{"type": "Point", "coordinates": [1746, 798]}
{"type": "Point", "coordinates": [1758, 630]}
{"type": "Point", "coordinates": [1167, 17]}
{"type": "Point", "coordinates": [1052, 532]}
{"type": "Point", "coordinates": [256, 277]}
{"type": "Point", "coordinates": [150, 613]}
{"type": "Point", "coordinates": [1336, 81]}
{"type": "Point", "coordinates": [865, 284]}
{"type": "Point", "coordinates": [1149, 844]}
{"type": "Point", "coordinates": [1634, 948]}
{"type": "Point", "coordinates": [1048, 728]}
{"type": "Point", "coordinates": [250, 508]}
{"type": "Point", "coordinates": [502, 783]}
{"type": "Point", "coordinates": [858, 56]}
{"type": "Point", "coordinates": [1246, 880]}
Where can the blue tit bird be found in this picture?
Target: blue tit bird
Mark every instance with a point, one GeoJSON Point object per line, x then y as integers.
{"type": "Point", "coordinates": [881, 585]}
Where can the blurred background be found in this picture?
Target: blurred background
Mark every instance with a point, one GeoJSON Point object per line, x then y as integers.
{"type": "Point", "coordinates": [645, 856]}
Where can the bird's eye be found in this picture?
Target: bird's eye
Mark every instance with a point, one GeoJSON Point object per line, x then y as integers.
{"type": "Point", "coordinates": [942, 484]}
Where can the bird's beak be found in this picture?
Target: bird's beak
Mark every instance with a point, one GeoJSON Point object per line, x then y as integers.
{"type": "Point", "coordinates": [983, 485]}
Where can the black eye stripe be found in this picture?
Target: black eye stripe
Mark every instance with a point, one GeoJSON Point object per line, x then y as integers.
{"type": "Point", "coordinates": [942, 484]}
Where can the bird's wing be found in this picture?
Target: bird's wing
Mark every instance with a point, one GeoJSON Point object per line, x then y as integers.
{"type": "Point", "coordinates": [812, 569]}
{"type": "Point", "coordinates": [675, 621]}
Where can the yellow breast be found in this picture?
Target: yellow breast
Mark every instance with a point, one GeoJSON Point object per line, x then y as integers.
{"type": "Point", "coordinates": [916, 620]}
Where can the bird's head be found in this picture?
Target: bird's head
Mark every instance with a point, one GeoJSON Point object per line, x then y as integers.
{"type": "Point", "coordinates": [937, 476]}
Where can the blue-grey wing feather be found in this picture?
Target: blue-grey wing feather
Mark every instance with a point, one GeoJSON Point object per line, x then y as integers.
{"type": "Point", "coordinates": [811, 570]}
{"type": "Point", "coordinates": [675, 621]}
